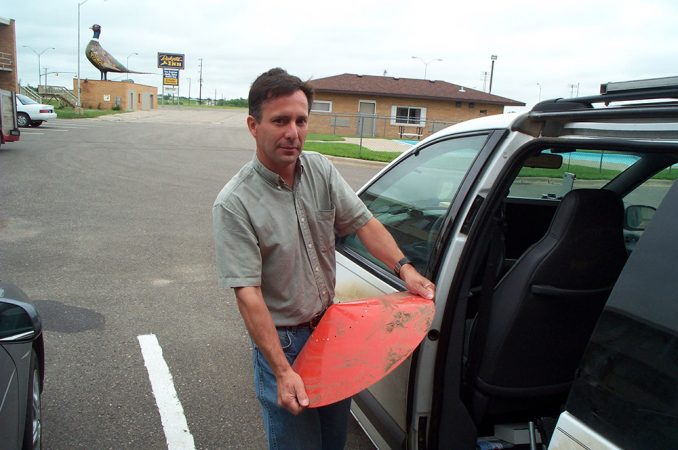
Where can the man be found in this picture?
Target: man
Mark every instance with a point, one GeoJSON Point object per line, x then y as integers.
{"type": "Point", "coordinates": [274, 224]}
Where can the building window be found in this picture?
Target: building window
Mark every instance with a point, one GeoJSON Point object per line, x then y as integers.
{"type": "Point", "coordinates": [408, 115]}
{"type": "Point", "coordinates": [471, 105]}
{"type": "Point", "coordinates": [321, 106]}
{"type": "Point", "coordinates": [457, 104]}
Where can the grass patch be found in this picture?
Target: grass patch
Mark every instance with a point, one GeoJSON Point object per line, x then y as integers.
{"type": "Point", "coordinates": [69, 113]}
{"type": "Point", "coordinates": [350, 151]}
{"type": "Point", "coordinates": [589, 173]}
{"type": "Point", "coordinates": [324, 137]}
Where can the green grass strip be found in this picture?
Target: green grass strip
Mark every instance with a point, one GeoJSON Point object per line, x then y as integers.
{"type": "Point", "coordinates": [589, 173]}
{"type": "Point", "coordinates": [350, 151]}
{"type": "Point", "coordinates": [324, 137]}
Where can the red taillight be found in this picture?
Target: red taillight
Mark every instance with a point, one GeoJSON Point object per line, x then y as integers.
{"type": "Point", "coordinates": [42, 111]}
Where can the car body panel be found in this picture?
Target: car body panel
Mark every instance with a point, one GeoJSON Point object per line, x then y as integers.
{"type": "Point", "coordinates": [20, 337]}
{"type": "Point", "coordinates": [572, 434]}
{"type": "Point", "coordinates": [37, 112]}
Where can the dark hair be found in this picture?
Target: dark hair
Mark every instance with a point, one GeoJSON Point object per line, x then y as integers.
{"type": "Point", "coordinates": [273, 84]}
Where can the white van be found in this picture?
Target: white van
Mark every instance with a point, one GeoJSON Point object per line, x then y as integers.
{"type": "Point", "coordinates": [525, 223]}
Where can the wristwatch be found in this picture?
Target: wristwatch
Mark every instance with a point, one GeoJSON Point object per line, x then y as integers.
{"type": "Point", "coordinates": [399, 265]}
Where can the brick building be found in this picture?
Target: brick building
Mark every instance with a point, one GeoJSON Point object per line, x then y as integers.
{"type": "Point", "coordinates": [390, 107]}
{"type": "Point", "coordinates": [128, 96]}
{"type": "Point", "coordinates": [9, 79]}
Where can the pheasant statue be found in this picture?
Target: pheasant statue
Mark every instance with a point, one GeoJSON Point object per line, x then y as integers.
{"type": "Point", "coordinates": [100, 58]}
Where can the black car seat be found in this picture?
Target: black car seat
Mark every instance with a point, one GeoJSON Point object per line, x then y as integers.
{"type": "Point", "coordinates": [531, 330]}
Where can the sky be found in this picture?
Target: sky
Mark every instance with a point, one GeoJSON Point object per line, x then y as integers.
{"type": "Point", "coordinates": [545, 49]}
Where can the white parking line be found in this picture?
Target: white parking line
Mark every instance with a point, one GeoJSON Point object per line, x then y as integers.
{"type": "Point", "coordinates": [172, 416]}
{"type": "Point", "coordinates": [50, 129]}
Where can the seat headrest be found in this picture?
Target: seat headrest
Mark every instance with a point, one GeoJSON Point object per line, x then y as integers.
{"type": "Point", "coordinates": [588, 209]}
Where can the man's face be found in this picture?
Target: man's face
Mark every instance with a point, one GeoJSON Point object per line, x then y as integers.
{"type": "Point", "coordinates": [281, 133]}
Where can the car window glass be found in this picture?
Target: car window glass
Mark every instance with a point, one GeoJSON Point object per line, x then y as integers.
{"type": "Point", "coordinates": [13, 320]}
{"type": "Point", "coordinates": [652, 191]}
{"type": "Point", "coordinates": [412, 198]}
{"type": "Point", "coordinates": [26, 100]}
{"type": "Point", "coordinates": [580, 169]}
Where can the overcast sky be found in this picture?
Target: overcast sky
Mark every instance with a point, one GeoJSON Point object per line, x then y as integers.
{"type": "Point", "coordinates": [543, 47]}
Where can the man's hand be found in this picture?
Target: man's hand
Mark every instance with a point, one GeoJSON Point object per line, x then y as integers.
{"type": "Point", "coordinates": [416, 283]}
{"type": "Point", "coordinates": [291, 392]}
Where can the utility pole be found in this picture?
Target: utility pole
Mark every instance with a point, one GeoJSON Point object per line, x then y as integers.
{"type": "Point", "coordinates": [574, 89]}
{"type": "Point", "coordinates": [200, 92]}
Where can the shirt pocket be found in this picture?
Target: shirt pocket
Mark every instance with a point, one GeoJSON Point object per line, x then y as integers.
{"type": "Point", "coordinates": [325, 231]}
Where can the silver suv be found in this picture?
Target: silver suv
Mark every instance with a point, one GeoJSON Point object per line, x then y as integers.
{"type": "Point", "coordinates": [533, 227]}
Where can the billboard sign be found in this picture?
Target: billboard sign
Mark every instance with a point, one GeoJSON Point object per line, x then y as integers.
{"type": "Point", "coordinates": [170, 77]}
{"type": "Point", "coordinates": [171, 60]}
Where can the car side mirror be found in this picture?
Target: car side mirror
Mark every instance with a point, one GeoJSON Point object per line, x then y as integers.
{"type": "Point", "coordinates": [18, 321]}
{"type": "Point", "coordinates": [637, 217]}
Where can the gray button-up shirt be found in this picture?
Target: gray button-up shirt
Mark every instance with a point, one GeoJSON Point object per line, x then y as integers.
{"type": "Point", "coordinates": [282, 239]}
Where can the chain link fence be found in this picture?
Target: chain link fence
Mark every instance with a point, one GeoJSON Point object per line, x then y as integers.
{"type": "Point", "coordinates": [373, 126]}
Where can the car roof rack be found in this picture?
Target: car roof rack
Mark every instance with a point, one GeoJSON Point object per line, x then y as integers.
{"type": "Point", "coordinates": [648, 89]}
{"type": "Point", "coordinates": [547, 115]}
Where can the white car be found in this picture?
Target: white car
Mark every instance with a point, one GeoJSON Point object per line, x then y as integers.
{"type": "Point", "coordinates": [30, 113]}
{"type": "Point", "coordinates": [550, 236]}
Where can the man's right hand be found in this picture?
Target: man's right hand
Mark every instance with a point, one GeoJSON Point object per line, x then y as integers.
{"type": "Point", "coordinates": [291, 392]}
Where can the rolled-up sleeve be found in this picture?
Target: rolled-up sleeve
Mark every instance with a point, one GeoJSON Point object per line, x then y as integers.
{"type": "Point", "coordinates": [238, 257]}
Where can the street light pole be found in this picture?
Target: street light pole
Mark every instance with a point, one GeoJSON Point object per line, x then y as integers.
{"type": "Point", "coordinates": [200, 91]}
{"type": "Point", "coordinates": [493, 58]}
{"type": "Point", "coordinates": [79, 5]}
{"type": "Point", "coordinates": [39, 55]}
{"type": "Point", "coordinates": [539, 84]}
{"type": "Point", "coordinates": [426, 63]}
{"type": "Point", "coordinates": [127, 65]}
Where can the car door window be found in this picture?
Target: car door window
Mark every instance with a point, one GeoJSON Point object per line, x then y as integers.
{"type": "Point", "coordinates": [412, 199]}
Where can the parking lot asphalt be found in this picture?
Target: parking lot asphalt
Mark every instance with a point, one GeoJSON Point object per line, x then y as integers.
{"type": "Point", "coordinates": [106, 224]}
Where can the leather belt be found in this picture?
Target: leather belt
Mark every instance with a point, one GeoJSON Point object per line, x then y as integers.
{"type": "Point", "coordinates": [312, 324]}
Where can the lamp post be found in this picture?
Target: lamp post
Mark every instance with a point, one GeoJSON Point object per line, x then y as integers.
{"type": "Point", "coordinates": [79, 5]}
{"type": "Point", "coordinates": [127, 64]}
{"type": "Point", "coordinates": [200, 91]}
{"type": "Point", "coordinates": [493, 58]}
{"type": "Point", "coordinates": [39, 55]}
{"type": "Point", "coordinates": [426, 63]}
{"type": "Point", "coordinates": [189, 89]}
{"type": "Point", "coordinates": [539, 84]}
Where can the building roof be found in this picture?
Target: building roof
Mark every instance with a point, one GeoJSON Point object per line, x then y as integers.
{"type": "Point", "coordinates": [349, 83]}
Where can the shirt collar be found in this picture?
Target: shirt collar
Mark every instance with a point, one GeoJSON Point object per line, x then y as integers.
{"type": "Point", "coordinates": [273, 178]}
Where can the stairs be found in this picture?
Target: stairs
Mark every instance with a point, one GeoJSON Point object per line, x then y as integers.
{"type": "Point", "coordinates": [59, 93]}
{"type": "Point", "coordinates": [30, 92]}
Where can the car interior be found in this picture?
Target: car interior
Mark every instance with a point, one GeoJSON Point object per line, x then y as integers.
{"type": "Point", "coordinates": [554, 245]}
{"type": "Point", "coordinates": [546, 249]}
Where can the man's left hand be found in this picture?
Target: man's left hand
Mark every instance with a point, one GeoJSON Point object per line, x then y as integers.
{"type": "Point", "coordinates": [417, 283]}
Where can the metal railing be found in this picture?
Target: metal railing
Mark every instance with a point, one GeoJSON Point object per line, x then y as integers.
{"type": "Point", "coordinates": [59, 93]}
{"type": "Point", "coordinates": [369, 126]}
{"type": "Point", "coordinates": [30, 92]}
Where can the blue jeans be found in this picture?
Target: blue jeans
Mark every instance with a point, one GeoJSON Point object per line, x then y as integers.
{"type": "Point", "coordinates": [314, 428]}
